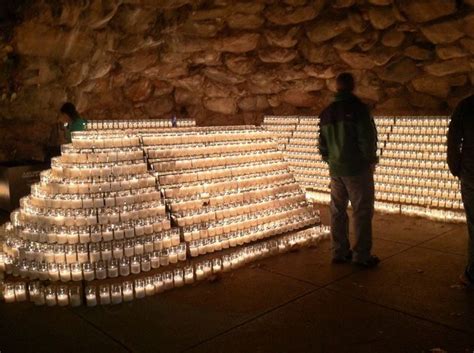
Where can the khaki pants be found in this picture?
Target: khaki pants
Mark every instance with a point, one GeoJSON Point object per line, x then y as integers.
{"type": "Point", "coordinates": [359, 190]}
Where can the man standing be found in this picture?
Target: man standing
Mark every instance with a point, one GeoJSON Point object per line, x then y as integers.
{"type": "Point", "coordinates": [461, 165]}
{"type": "Point", "coordinates": [348, 142]}
{"type": "Point", "coordinates": [74, 121]}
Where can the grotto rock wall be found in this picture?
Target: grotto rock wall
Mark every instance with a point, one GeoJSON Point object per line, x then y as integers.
{"type": "Point", "coordinates": [225, 62]}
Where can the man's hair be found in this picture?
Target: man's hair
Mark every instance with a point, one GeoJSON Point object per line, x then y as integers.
{"type": "Point", "coordinates": [69, 109]}
{"type": "Point", "coordinates": [345, 82]}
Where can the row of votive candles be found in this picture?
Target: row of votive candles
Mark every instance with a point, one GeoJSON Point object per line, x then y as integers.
{"type": "Point", "coordinates": [229, 186]}
{"type": "Point", "coordinates": [119, 292]}
{"type": "Point", "coordinates": [86, 217]}
{"type": "Point", "coordinates": [137, 124]}
{"type": "Point", "coordinates": [84, 171]}
{"type": "Point", "coordinates": [58, 186]}
{"type": "Point", "coordinates": [99, 200]}
{"type": "Point", "coordinates": [434, 214]}
{"type": "Point", "coordinates": [419, 200]}
{"type": "Point", "coordinates": [215, 213]}
{"type": "Point", "coordinates": [91, 252]}
{"type": "Point", "coordinates": [113, 268]}
{"type": "Point", "coordinates": [151, 230]}
{"type": "Point", "coordinates": [173, 139]}
{"type": "Point", "coordinates": [91, 157]}
{"type": "Point", "coordinates": [91, 140]}
{"type": "Point", "coordinates": [217, 243]}
{"type": "Point", "coordinates": [243, 196]}
{"type": "Point", "coordinates": [202, 153]}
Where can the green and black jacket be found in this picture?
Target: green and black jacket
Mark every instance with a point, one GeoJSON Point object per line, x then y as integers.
{"type": "Point", "coordinates": [347, 136]}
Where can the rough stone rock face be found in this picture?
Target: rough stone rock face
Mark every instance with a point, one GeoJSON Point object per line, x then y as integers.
{"type": "Point", "coordinates": [225, 62]}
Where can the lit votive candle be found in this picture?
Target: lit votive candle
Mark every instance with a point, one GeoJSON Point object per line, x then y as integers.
{"type": "Point", "coordinates": [166, 241]}
{"type": "Point", "coordinates": [76, 272]}
{"type": "Point", "coordinates": [100, 270]}
{"type": "Point", "coordinates": [106, 252]}
{"type": "Point", "coordinates": [82, 255]}
{"type": "Point", "coordinates": [53, 272]}
{"type": "Point", "coordinates": [200, 272]}
{"type": "Point", "coordinates": [50, 296]}
{"type": "Point", "coordinates": [74, 296]}
{"type": "Point", "coordinates": [88, 271]}
{"type": "Point", "coordinates": [139, 248]}
{"type": "Point", "coordinates": [145, 263]}
{"type": "Point", "coordinates": [149, 286]}
{"type": "Point", "coordinates": [216, 265]}
{"type": "Point", "coordinates": [113, 268]}
{"type": "Point", "coordinates": [158, 282]}
{"type": "Point", "coordinates": [104, 294]}
{"type": "Point", "coordinates": [168, 280]}
{"type": "Point", "coordinates": [173, 257]}
{"type": "Point", "coordinates": [118, 250]}
{"type": "Point", "coordinates": [124, 267]}
{"type": "Point", "coordinates": [139, 289]}
{"type": "Point", "coordinates": [71, 254]}
{"type": "Point", "coordinates": [155, 259]}
{"type": "Point", "coordinates": [116, 293]}
{"type": "Point", "coordinates": [20, 292]}
{"type": "Point", "coordinates": [178, 277]}
{"type": "Point", "coordinates": [127, 291]}
{"type": "Point", "coordinates": [58, 254]}
{"type": "Point", "coordinates": [91, 296]}
{"type": "Point", "coordinates": [135, 265]}
{"type": "Point", "coordinates": [148, 245]}
{"type": "Point", "coordinates": [64, 272]}
{"type": "Point", "coordinates": [164, 258]}
{"type": "Point", "coordinates": [62, 296]}
{"type": "Point", "coordinates": [107, 234]}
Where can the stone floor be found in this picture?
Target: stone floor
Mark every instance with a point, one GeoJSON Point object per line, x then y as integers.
{"type": "Point", "coordinates": [297, 302]}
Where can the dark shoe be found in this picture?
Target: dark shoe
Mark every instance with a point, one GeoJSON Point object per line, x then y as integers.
{"type": "Point", "coordinates": [466, 280]}
{"type": "Point", "coordinates": [370, 263]}
{"type": "Point", "coordinates": [344, 260]}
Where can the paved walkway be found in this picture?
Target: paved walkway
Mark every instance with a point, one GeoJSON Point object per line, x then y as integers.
{"type": "Point", "coordinates": [292, 303]}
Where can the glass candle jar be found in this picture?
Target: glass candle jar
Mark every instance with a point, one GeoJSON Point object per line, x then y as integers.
{"type": "Point", "coordinates": [158, 282]}
{"type": "Point", "coordinates": [100, 270]}
{"type": "Point", "coordinates": [88, 271]}
{"type": "Point", "coordinates": [168, 280]}
{"type": "Point", "coordinates": [91, 296]}
{"type": "Point", "coordinates": [139, 288]}
{"type": "Point", "coordinates": [75, 296]}
{"type": "Point", "coordinates": [116, 293]}
{"type": "Point", "coordinates": [127, 291]}
{"type": "Point", "coordinates": [124, 267]}
{"type": "Point", "coordinates": [113, 268]}
{"type": "Point", "coordinates": [104, 294]}
{"type": "Point", "coordinates": [62, 296]}
{"type": "Point", "coordinates": [135, 265]}
{"type": "Point", "coordinates": [149, 286]}
{"type": "Point", "coordinates": [76, 272]}
{"type": "Point", "coordinates": [50, 295]}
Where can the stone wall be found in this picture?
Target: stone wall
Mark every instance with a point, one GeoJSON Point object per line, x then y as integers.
{"type": "Point", "coordinates": [225, 62]}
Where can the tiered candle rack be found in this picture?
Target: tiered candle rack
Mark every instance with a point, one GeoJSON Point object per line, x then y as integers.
{"type": "Point", "coordinates": [412, 178]}
{"type": "Point", "coordinates": [131, 210]}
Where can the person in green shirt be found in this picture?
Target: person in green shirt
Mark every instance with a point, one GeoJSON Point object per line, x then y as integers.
{"type": "Point", "coordinates": [74, 121]}
{"type": "Point", "coordinates": [348, 143]}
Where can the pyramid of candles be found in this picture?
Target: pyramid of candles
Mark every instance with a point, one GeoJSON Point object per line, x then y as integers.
{"type": "Point", "coordinates": [412, 177]}
{"type": "Point", "coordinates": [132, 208]}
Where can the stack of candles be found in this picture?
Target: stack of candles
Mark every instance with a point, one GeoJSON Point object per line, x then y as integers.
{"type": "Point", "coordinates": [129, 208]}
{"type": "Point", "coordinates": [412, 177]}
